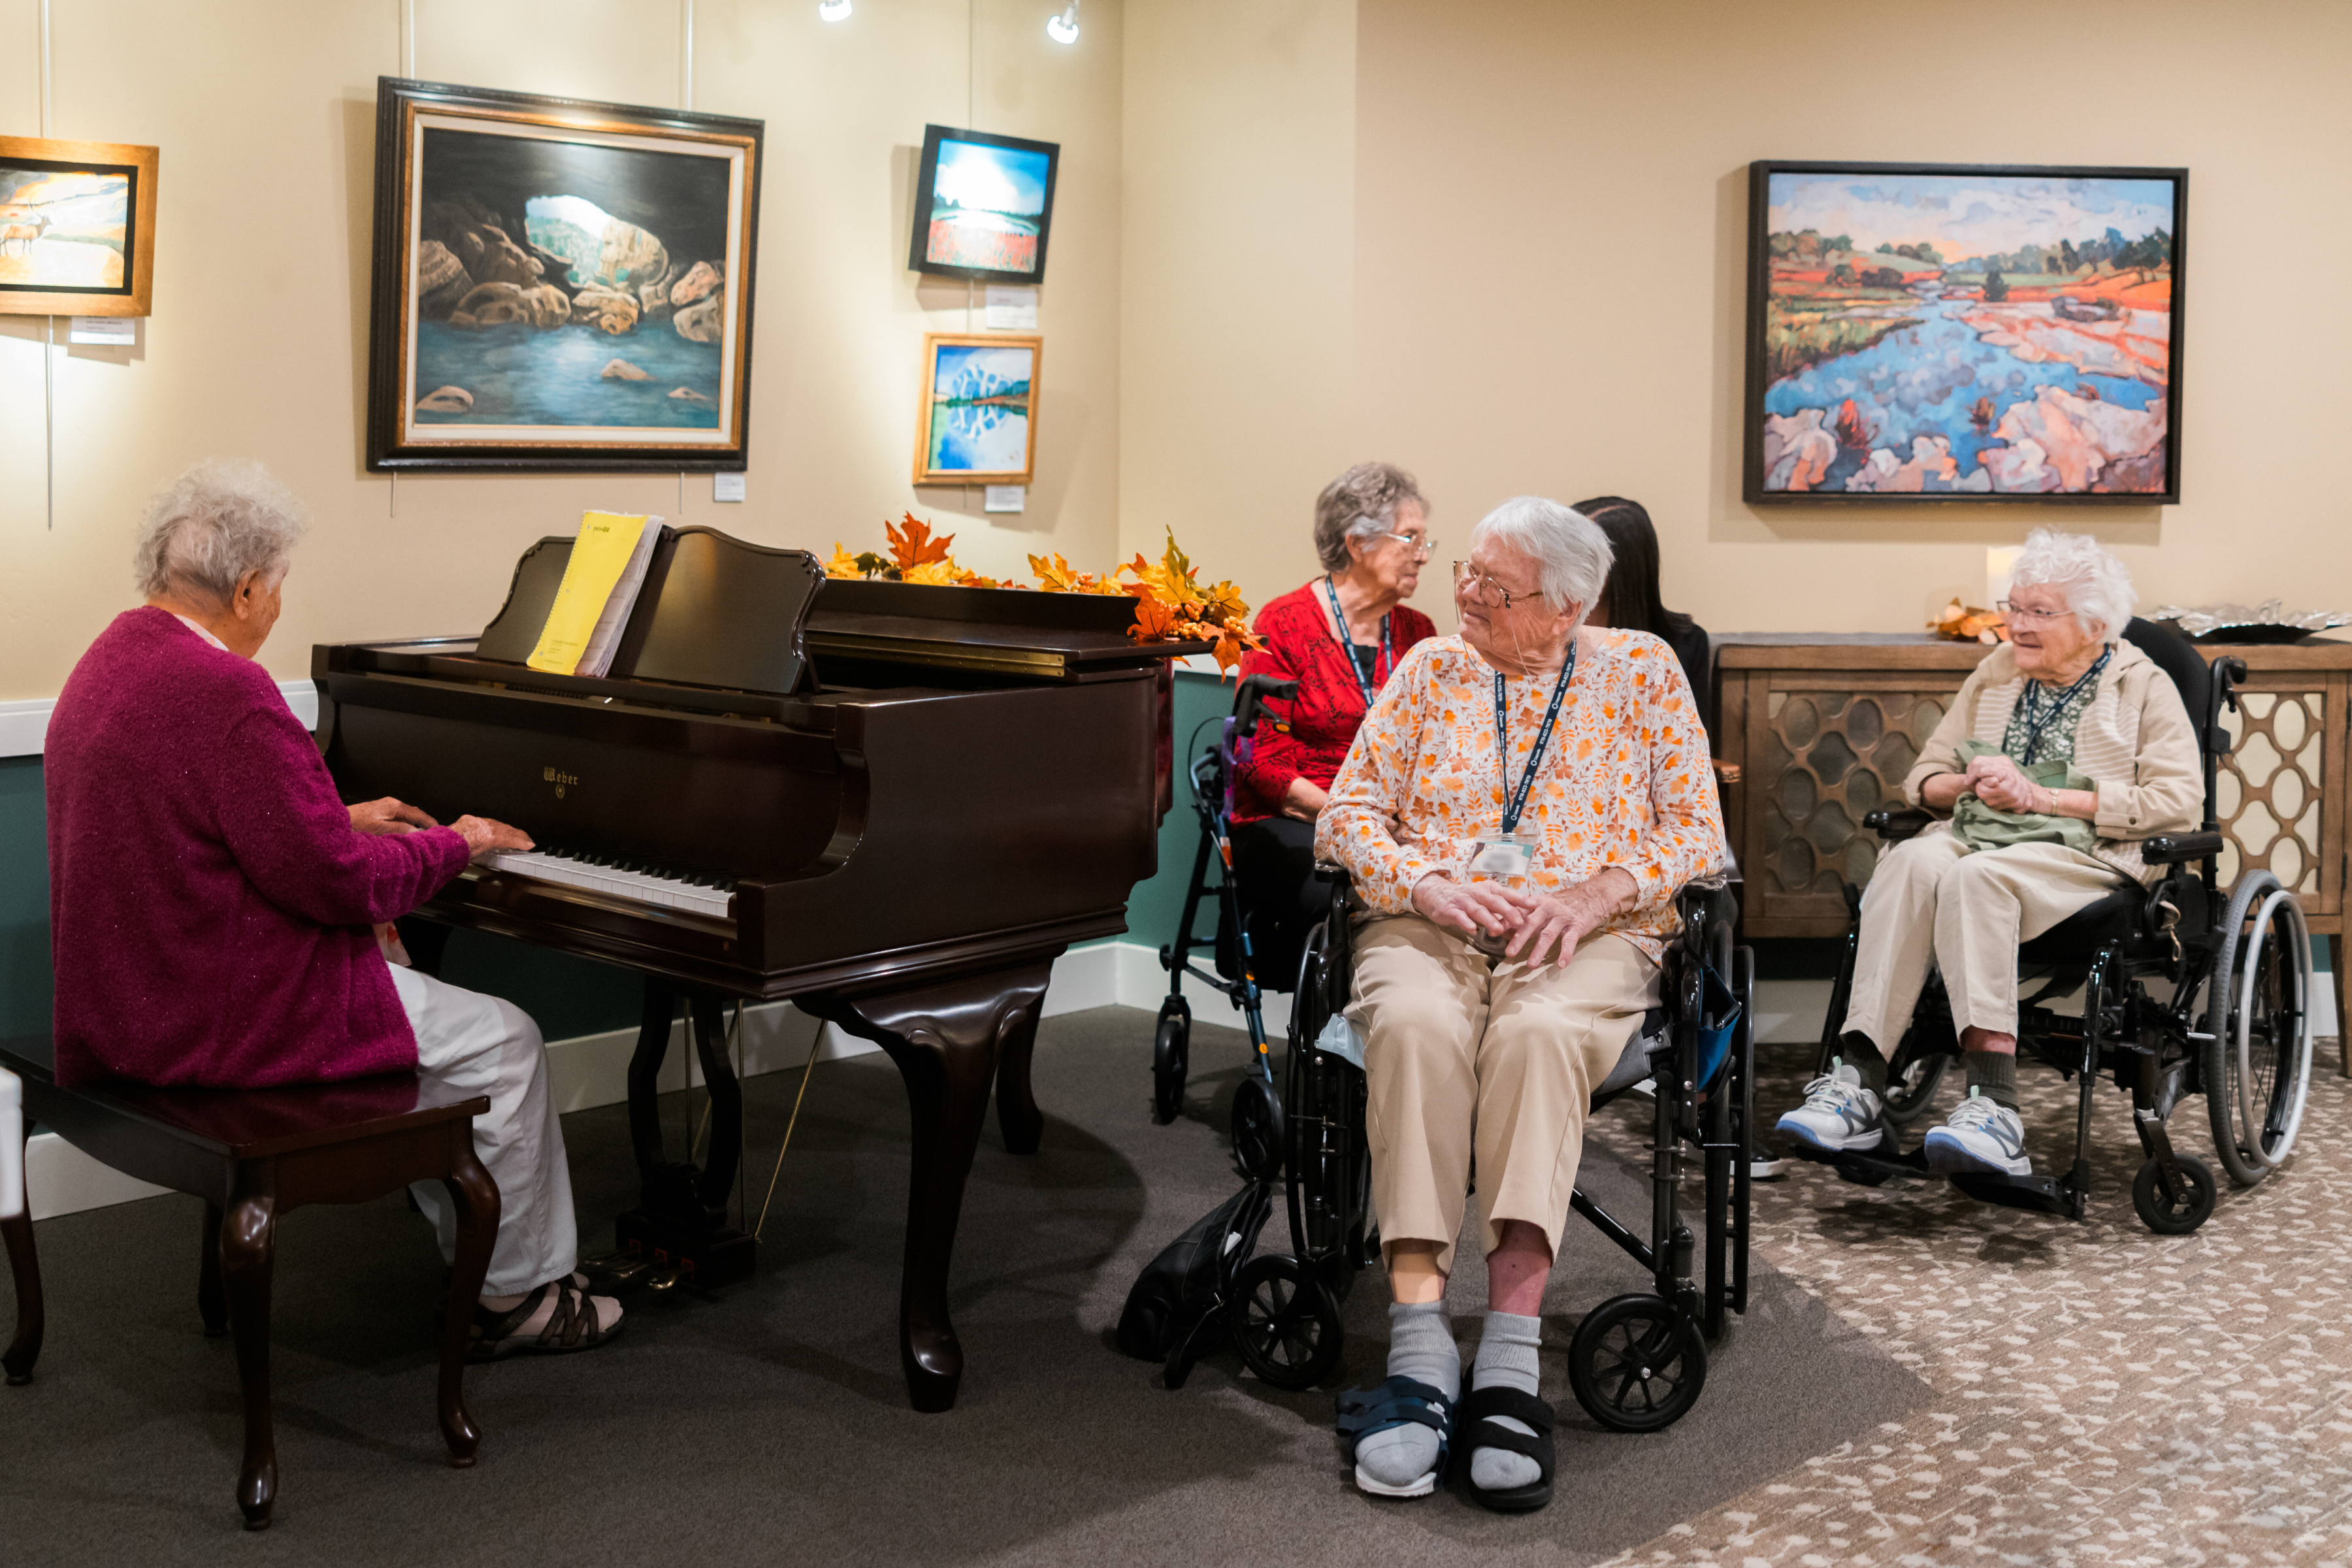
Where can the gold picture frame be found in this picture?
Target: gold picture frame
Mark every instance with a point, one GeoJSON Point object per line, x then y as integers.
{"type": "Point", "coordinates": [978, 408]}
{"type": "Point", "coordinates": [76, 227]}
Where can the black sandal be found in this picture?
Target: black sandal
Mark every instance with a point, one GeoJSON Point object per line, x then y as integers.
{"type": "Point", "coordinates": [1477, 1429]}
{"type": "Point", "coordinates": [572, 1326]}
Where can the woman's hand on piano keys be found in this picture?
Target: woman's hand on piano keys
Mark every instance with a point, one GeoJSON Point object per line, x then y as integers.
{"type": "Point", "coordinates": [389, 816]}
{"type": "Point", "coordinates": [482, 836]}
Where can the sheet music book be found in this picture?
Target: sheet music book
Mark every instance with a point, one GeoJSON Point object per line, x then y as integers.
{"type": "Point", "coordinates": [600, 587]}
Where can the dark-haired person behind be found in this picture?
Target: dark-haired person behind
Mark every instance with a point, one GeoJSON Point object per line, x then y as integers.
{"type": "Point", "coordinates": [1631, 600]}
{"type": "Point", "coordinates": [1339, 636]}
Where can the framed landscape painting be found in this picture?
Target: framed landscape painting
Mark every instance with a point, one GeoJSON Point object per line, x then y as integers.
{"type": "Point", "coordinates": [76, 227]}
{"type": "Point", "coordinates": [1938, 332]}
{"type": "Point", "coordinates": [984, 206]}
{"type": "Point", "coordinates": [558, 284]}
{"type": "Point", "coordinates": [977, 423]}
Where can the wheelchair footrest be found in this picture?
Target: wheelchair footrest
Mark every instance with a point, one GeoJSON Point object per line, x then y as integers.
{"type": "Point", "coordinates": [2042, 1195]}
{"type": "Point", "coordinates": [1864, 1170]}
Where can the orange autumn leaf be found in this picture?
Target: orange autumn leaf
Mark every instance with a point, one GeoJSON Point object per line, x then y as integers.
{"type": "Point", "coordinates": [914, 545]}
{"type": "Point", "coordinates": [1154, 620]}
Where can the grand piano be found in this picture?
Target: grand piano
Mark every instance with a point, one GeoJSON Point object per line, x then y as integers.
{"type": "Point", "coordinates": [895, 804]}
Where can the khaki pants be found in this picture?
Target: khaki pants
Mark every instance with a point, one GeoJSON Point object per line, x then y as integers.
{"type": "Point", "coordinates": [1470, 1055]}
{"type": "Point", "coordinates": [1931, 899]}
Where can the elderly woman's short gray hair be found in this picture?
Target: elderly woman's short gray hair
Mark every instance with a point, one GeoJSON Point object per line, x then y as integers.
{"type": "Point", "coordinates": [1570, 552]}
{"type": "Point", "coordinates": [2098, 590]}
{"type": "Point", "coordinates": [1359, 504]}
{"type": "Point", "coordinates": [223, 517]}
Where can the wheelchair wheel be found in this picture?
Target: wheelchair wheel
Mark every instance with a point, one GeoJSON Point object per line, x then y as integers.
{"type": "Point", "coordinates": [2257, 1065]}
{"type": "Point", "coordinates": [2185, 1208]}
{"type": "Point", "coordinates": [1172, 1050]}
{"type": "Point", "coordinates": [1637, 1365]}
{"type": "Point", "coordinates": [1285, 1322]}
{"type": "Point", "coordinates": [1913, 1078]}
{"type": "Point", "coordinates": [1258, 1130]}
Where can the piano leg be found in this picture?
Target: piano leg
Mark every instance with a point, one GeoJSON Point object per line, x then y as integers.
{"type": "Point", "coordinates": [680, 1226]}
{"type": "Point", "coordinates": [726, 1102]}
{"type": "Point", "coordinates": [1017, 1116]}
{"type": "Point", "coordinates": [947, 1039]}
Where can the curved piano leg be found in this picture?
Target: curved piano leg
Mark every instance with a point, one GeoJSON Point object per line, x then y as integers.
{"type": "Point", "coordinates": [1017, 1116]}
{"type": "Point", "coordinates": [947, 1039]}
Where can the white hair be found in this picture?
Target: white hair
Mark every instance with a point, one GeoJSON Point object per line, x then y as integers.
{"type": "Point", "coordinates": [1570, 552]}
{"type": "Point", "coordinates": [221, 519]}
{"type": "Point", "coordinates": [2097, 588]}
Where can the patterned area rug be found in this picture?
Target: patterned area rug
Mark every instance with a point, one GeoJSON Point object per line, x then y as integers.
{"type": "Point", "coordinates": [2105, 1395]}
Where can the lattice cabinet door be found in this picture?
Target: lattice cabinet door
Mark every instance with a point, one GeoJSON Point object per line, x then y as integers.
{"type": "Point", "coordinates": [2280, 799]}
{"type": "Point", "coordinates": [1823, 751]}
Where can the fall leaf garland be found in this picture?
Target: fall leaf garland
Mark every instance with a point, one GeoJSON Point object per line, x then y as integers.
{"type": "Point", "coordinates": [1170, 606]}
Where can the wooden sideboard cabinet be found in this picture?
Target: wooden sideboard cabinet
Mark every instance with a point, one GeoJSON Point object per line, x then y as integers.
{"type": "Point", "coordinates": [1823, 728]}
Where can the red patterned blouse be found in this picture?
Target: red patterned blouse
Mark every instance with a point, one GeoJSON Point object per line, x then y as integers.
{"type": "Point", "coordinates": [1301, 645]}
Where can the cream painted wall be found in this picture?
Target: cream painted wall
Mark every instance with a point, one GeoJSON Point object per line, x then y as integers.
{"type": "Point", "coordinates": [1546, 274]}
{"type": "Point", "coordinates": [257, 345]}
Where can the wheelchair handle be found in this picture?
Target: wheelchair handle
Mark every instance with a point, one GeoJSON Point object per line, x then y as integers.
{"type": "Point", "coordinates": [1251, 698]}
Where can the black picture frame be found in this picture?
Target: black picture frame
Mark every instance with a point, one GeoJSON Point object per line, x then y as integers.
{"type": "Point", "coordinates": [455, 167]}
{"type": "Point", "coordinates": [920, 254]}
{"type": "Point", "coordinates": [2073, 326]}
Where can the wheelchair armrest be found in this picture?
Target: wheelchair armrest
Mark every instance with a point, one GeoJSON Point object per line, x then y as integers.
{"type": "Point", "coordinates": [1896, 822]}
{"type": "Point", "coordinates": [1324, 872]}
{"type": "Point", "coordinates": [2173, 848]}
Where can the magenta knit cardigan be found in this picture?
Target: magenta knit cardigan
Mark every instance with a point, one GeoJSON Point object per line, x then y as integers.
{"type": "Point", "coordinates": [210, 903]}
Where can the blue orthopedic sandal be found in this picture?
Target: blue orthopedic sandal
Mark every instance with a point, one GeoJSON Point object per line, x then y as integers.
{"type": "Point", "coordinates": [1399, 1401]}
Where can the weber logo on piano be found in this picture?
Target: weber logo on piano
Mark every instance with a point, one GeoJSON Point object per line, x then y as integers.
{"type": "Point", "coordinates": [560, 779]}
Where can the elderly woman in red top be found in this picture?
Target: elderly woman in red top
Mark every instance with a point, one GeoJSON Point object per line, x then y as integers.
{"type": "Point", "coordinates": [1338, 637]}
{"type": "Point", "coordinates": [215, 909]}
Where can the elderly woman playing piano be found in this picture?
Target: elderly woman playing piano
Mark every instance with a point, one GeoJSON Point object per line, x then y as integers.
{"type": "Point", "coordinates": [1549, 792]}
{"type": "Point", "coordinates": [215, 909]}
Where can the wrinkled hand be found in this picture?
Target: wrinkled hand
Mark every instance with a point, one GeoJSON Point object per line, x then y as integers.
{"type": "Point", "coordinates": [482, 836]}
{"type": "Point", "coordinates": [1473, 909]}
{"type": "Point", "coordinates": [1558, 923]}
{"type": "Point", "coordinates": [1996, 782]}
{"type": "Point", "coordinates": [389, 816]}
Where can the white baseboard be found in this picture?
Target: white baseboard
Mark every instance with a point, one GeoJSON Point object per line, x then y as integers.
{"type": "Point", "coordinates": [589, 1070]}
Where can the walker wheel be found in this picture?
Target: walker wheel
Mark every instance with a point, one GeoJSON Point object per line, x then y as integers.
{"type": "Point", "coordinates": [1171, 1049]}
{"type": "Point", "coordinates": [2180, 1210]}
{"type": "Point", "coordinates": [1285, 1322]}
{"type": "Point", "coordinates": [1258, 1130]}
{"type": "Point", "coordinates": [1637, 1365]}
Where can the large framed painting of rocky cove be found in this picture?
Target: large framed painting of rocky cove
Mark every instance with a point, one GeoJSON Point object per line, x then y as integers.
{"type": "Point", "coordinates": [558, 284]}
{"type": "Point", "coordinates": [1941, 332]}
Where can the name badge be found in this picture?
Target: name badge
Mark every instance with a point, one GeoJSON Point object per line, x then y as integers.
{"type": "Point", "coordinates": [1509, 856]}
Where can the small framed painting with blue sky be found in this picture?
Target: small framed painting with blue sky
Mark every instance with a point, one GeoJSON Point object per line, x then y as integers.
{"type": "Point", "coordinates": [977, 424]}
{"type": "Point", "coordinates": [984, 206]}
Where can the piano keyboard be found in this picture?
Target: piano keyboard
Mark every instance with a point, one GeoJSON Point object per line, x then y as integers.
{"type": "Point", "coordinates": [617, 877]}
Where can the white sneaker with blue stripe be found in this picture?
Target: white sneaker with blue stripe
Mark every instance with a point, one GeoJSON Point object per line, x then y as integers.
{"type": "Point", "coordinates": [1981, 1135]}
{"type": "Point", "coordinates": [1839, 1115]}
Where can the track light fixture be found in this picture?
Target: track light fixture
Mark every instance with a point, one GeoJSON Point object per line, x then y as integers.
{"type": "Point", "coordinates": [1063, 28]}
{"type": "Point", "coordinates": [833, 10]}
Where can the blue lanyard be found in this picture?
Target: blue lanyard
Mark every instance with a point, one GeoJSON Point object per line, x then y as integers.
{"type": "Point", "coordinates": [1348, 645]}
{"type": "Point", "coordinates": [2036, 720]}
{"type": "Point", "coordinates": [1517, 802]}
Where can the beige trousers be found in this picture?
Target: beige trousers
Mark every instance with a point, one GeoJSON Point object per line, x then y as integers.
{"type": "Point", "coordinates": [1473, 1057]}
{"type": "Point", "coordinates": [1931, 899]}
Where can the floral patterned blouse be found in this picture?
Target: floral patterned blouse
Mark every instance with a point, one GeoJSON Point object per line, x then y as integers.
{"type": "Point", "coordinates": [1625, 780]}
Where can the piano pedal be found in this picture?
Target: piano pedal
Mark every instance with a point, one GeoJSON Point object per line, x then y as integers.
{"type": "Point", "coordinates": [705, 1259]}
{"type": "Point", "coordinates": [611, 1273]}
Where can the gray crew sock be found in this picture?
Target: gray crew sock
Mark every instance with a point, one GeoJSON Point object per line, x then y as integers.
{"type": "Point", "coordinates": [1421, 1346]}
{"type": "Point", "coordinates": [1993, 1074]}
{"type": "Point", "coordinates": [1506, 1359]}
{"type": "Point", "coordinates": [1858, 1051]}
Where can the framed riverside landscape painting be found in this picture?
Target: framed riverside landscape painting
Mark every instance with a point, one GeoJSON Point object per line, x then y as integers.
{"type": "Point", "coordinates": [558, 284]}
{"type": "Point", "coordinates": [977, 421]}
{"type": "Point", "coordinates": [1942, 332]}
{"type": "Point", "coordinates": [984, 206]}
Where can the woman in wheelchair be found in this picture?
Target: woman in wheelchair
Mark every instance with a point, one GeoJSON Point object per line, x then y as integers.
{"type": "Point", "coordinates": [2062, 751]}
{"type": "Point", "coordinates": [1340, 636]}
{"type": "Point", "coordinates": [1518, 813]}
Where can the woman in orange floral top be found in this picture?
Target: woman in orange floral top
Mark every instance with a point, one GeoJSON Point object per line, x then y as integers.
{"type": "Point", "coordinates": [1518, 919]}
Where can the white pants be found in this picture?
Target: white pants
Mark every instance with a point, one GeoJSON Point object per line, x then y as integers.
{"type": "Point", "coordinates": [485, 1045]}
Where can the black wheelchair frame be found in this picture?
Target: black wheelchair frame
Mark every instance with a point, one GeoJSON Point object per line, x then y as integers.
{"type": "Point", "coordinates": [2246, 957]}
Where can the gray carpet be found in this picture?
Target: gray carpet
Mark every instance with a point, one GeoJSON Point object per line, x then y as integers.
{"type": "Point", "coordinates": [770, 1424]}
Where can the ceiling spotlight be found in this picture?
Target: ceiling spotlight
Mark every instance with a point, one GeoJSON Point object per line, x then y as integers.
{"type": "Point", "coordinates": [833, 10]}
{"type": "Point", "coordinates": [1063, 28]}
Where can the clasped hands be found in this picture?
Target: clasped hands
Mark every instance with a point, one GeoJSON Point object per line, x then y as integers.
{"type": "Point", "coordinates": [1999, 782]}
{"type": "Point", "coordinates": [1540, 923]}
{"type": "Point", "coordinates": [482, 835]}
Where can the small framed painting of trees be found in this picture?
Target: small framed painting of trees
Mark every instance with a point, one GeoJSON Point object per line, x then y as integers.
{"type": "Point", "coordinates": [1940, 332]}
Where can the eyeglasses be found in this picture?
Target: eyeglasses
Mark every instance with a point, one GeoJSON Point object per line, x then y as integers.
{"type": "Point", "coordinates": [2017, 612]}
{"type": "Point", "coordinates": [1477, 585]}
{"type": "Point", "coordinates": [1421, 544]}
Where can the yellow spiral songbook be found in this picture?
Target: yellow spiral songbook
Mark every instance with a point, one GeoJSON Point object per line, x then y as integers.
{"type": "Point", "coordinates": [600, 587]}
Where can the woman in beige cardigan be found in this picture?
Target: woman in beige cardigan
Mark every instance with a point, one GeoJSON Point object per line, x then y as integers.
{"type": "Point", "coordinates": [2066, 690]}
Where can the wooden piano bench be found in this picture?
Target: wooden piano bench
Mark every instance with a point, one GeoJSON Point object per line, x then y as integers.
{"type": "Point", "coordinates": [252, 1155]}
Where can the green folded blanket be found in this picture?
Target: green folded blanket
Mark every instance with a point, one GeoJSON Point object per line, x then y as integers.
{"type": "Point", "coordinates": [1980, 827]}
